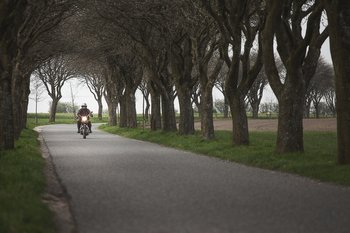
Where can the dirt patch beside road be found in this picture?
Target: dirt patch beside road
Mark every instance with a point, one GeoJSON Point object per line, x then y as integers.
{"type": "Point", "coordinates": [321, 124]}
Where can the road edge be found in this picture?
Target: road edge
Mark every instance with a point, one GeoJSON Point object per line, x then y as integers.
{"type": "Point", "coordinates": [55, 195]}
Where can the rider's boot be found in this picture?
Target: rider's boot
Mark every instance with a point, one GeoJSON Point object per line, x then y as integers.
{"type": "Point", "coordinates": [78, 130]}
{"type": "Point", "coordinates": [90, 130]}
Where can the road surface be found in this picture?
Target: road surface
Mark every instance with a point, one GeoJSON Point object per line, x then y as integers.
{"type": "Point", "coordinates": [123, 185]}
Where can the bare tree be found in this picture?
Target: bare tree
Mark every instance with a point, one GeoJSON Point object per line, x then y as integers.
{"type": "Point", "coordinates": [323, 79]}
{"type": "Point", "coordinates": [299, 53]}
{"type": "Point", "coordinates": [235, 19]}
{"type": "Point", "coordinates": [256, 91]}
{"type": "Point", "coordinates": [143, 87]}
{"type": "Point", "coordinates": [143, 22]}
{"type": "Point", "coordinates": [331, 99]}
{"type": "Point", "coordinates": [96, 86]}
{"type": "Point", "coordinates": [220, 85]}
{"type": "Point", "coordinates": [37, 89]}
{"type": "Point", "coordinates": [72, 95]}
{"type": "Point", "coordinates": [54, 73]}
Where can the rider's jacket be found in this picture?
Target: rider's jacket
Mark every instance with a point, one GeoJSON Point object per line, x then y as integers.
{"type": "Point", "coordinates": [83, 112]}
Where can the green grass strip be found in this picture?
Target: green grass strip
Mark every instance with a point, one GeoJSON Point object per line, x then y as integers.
{"type": "Point", "coordinates": [22, 181]}
{"type": "Point", "coordinates": [22, 186]}
{"type": "Point", "coordinates": [319, 161]}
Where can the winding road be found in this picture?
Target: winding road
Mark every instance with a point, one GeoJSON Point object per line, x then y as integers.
{"type": "Point", "coordinates": [123, 185]}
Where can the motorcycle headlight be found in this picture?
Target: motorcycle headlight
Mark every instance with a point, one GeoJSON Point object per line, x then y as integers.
{"type": "Point", "coordinates": [84, 118]}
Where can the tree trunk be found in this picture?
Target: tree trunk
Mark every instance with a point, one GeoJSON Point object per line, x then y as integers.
{"type": "Point", "coordinates": [100, 108]}
{"type": "Point", "coordinates": [16, 102]}
{"type": "Point", "coordinates": [147, 108]}
{"type": "Point", "coordinates": [130, 109]}
{"type": "Point", "coordinates": [207, 125]}
{"type": "Point", "coordinates": [156, 122]}
{"type": "Point", "coordinates": [307, 106]}
{"type": "Point", "coordinates": [255, 107]}
{"type": "Point", "coordinates": [123, 120]}
{"type": "Point", "coordinates": [339, 31]}
{"type": "Point", "coordinates": [112, 113]}
{"type": "Point", "coordinates": [317, 109]}
{"type": "Point", "coordinates": [168, 115]}
{"type": "Point", "coordinates": [6, 112]}
{"type": "Point", "coordinates": [25, 99]}
{"type": "Point", "coordinates": [290, 124]}
{"type": "Point", "coordinates": [186, 126]}
{"type": "Point", "coordinates": [20, 92]}
{"type": "Point", "coordinates": [239, 120]}
{"type": "Point", "coordinates": [226, 107]}
{"type": "Point", "coordinates": [53, 110]}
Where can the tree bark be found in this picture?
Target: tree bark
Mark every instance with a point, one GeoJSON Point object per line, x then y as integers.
{"type": "Point", "coordinates": [156, 122]}
{"type": "Point", "coordinates": [100, 108]}
{"type": "Point", "coordinates": [20, 92]}
{"type": "Point", "coordinates": [6, 112]}
{"type": "Point", "coordinates": [123, 116]}
{"type": "Point", "coordinates": [226, 107]}
{"type": "Point", "coordinates": [255, 107]}
{"type": "Point", "coordinates": [339, 31]}
{"type": "Point", "coordinates": [239, 120]}
{"type": "Point", "coordinates": [130, 108]}
{"type": "Point", "coordinates": [112, 113]}
{"type": "Point", "coordinates": [168, 114]}
{"type": "Point", "coordinates": [147, 107]}
{"type": "Point", "coordinates": [25, 99]}
{"type": "Point", "coordinates": [207, 125]}
{"type": "Point", "coordinates": [290, 124]}
{"type": "Point", "coordinates": [53, 109]}
{"type": "Point", "coordinates": [186, 123]}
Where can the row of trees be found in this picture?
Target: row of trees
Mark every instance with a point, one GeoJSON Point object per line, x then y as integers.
{"type": "Point", "coordinates": [178, 48]}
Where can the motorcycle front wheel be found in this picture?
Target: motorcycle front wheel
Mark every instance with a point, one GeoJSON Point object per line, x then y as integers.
{"type": "Point", "coordinates": [84, 132]}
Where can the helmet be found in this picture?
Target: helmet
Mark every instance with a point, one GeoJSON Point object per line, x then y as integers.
{"type": "Point", "coordinates": [84, 105]}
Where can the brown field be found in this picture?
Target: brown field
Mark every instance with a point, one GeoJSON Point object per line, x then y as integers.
{"type": "Point", "coordinates": [321, 124]}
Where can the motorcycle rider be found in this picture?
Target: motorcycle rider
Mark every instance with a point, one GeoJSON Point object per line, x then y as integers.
{"type": "Point", "coordinates": [84, 111]}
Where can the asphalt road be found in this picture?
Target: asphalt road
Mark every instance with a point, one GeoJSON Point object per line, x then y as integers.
{"type": "Point", "coordinates": [123, 185]}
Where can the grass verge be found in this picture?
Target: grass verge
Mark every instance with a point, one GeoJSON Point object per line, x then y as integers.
{"type": "Point", "coordinates": [22, 181]}
{"type": "Point", "coordinates": [22, 185]}
{"type": "Point", "coordinates": [319, 161]}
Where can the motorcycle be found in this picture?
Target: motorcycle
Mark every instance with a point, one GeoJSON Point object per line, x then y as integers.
{"type": "Point", "coordinates": [84, 128]}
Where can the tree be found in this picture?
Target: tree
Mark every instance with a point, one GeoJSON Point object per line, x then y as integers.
{"type": "Point", "coordinates": [220, 85]}
{"type": "Point", "coordinates": [322, 80]}
{"type": "Point", "coordinates": [74, 105]}
{"type": "Point", "coordinates": [256, 91]}
{"type": "Point", "coordinates": [339, 24]}
{"type": "Point", "coordinates": [54, 73]}
{"type": "Point", "coordinates": [235, 19]}
{"type": "Point", "coordinates": [142, 22]}
{"type": "Point", "coordinates": [22, 23]}
{"type": "Point", "coordinates": [330, 99]}
{"type": "Point", "coordinates": [65, 107]}
{"type": "Point", "coordinates": [143, 87]}
{"type": "Point", "coordinates": [95, 84]}
{"type": "Point", "coordinates": [299, 53]}
{"type": "Point", "coordinates": [195, 50]}
{"type": "Point", "coordinates": [131, 73]}
{"type": "Point", "coordinates": [37, 89]}
{"type": "Point", "coordinates": [110, 94]}
{"type": "Point", "coordinates": [219, 104]}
